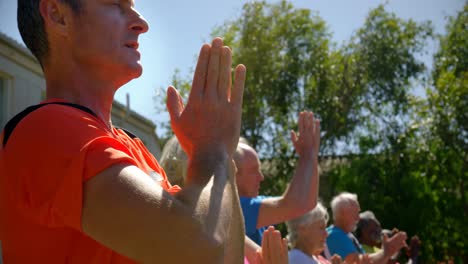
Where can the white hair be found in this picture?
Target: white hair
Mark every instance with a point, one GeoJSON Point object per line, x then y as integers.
{"type": "Point", "coordinates": [341, 201]}
{"type": "Point", "coordinates": [174, 162]}
{"type": "Point", "coordinates": [319, 213]}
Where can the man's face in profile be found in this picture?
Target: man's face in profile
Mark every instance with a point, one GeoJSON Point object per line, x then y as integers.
{"type": "Point", "coordinates": [103, 37]}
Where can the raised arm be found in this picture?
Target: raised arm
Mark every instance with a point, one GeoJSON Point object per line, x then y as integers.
{"type": "Point", "coordinates": [301, 194]}
{"type": "Point", "coordinates": [126, 211]}
{"type": "Point", "coordinates": [390, 246]}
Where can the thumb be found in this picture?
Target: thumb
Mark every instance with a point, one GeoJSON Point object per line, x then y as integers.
{"type": "Point", "coordinates": [174, 103]}
{"type": "Point", "coordinates": [259, 257]}
{"type": "Point", "coordinates": [293, 137]}
{"type": "Point", "coordinates": [384, 239]}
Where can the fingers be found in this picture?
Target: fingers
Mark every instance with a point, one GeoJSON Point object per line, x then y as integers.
{"type": "Point", "coordinates": [317, 135]}
{"type": "Point", "coordinates": [293, 137]}
{"type": "Point", "coordinates": [200, 75]}
{"type": "Point", "coordinates": [301, 123]}
{"type": "Point", "coordinates": [239, 80]}
{"type": "Point", "coordinates": [384, 238]}
{"type": "Point", "coordinates": [212, 78]}
{"type": "Point", "coordinates": [266, 245]}
{"type": "Point", "coordinates": [259, 257]}
{"type": "Point", "coordinates": [317, 127]}
{"type": "Point", "coordinates": [308, 123]}
{"type": "Point", "coordinates": [395, 243]}
{"type": "Point", "coordinates": [284, 251]}
{"type": "Point", "coordinates": [224, 82]}
{"type": "Point", "coordinates": [211, 89]}
{"type": "Point", "coordinates": [310, 120]}
{"type": "Point", "coordinates": [274, 248]}
{"type": "Point", "coordinates": [174, 103]}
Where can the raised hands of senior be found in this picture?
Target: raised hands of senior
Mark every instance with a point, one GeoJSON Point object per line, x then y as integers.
{"type": "Point", "coordinates": [336, 259]}
{"type": "Point", "coordinates": [274, 248]}
{"type": "Point", "coordinates": [308, 140]}
{"type": "Point", "coordinates": [365, 259]}
{"type": "Point", "coordinates": [392, 245]}
{"type": "Point", "coordinates": [212, 117]}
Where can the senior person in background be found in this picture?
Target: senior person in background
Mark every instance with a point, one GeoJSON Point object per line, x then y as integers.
{"type": "Point", "coordinates": [307, 237]}
{"type": "Point", "coordinates": [301, 194]}
{"type": "Point", "coordinates": [369, 232]}
{"type": "Point", "coordinates": [272, 251]}
{"type": "Point", "coordinates": [341, 241]}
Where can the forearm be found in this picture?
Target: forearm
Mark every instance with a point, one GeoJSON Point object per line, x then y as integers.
{"type": "Point", "coordinates": [303, 190]}
{"type": "Point", "coordinates": [379, 257]}
{"type": "Point", "coordinates": [234, 253]}
{"type": "Point", "coordinates": [211, 193]}
{"type": "Point", "coordinates": [127, 211]}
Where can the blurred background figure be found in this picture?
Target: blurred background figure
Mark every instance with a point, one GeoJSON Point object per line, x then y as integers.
{"type": "Point", "coordinates": [340, 240]}
{"type": "Point", "coordinates": [307, 236]}
{"type": "Point", "coordinates": [369, 232]}
{"type": "Point", "coordinates": [174, 162]}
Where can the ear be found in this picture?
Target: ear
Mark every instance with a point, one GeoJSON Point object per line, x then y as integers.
{"type": "Point", "coordinates": [55, 15]}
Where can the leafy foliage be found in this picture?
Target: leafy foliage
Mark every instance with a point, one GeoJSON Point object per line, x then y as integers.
{"type": "Point", "coordinates": [417, 183]}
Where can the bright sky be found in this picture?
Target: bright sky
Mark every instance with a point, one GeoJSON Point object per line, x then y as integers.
{"type": "Point", "coordinates": [178, 28]}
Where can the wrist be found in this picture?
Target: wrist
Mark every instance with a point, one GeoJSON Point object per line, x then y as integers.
{"type": "Point", "coordinates": [210, 153]}
{"type": "Point", "coordinates": [309, 155]}
{"type": "Point", "coordinates": [207, 162]}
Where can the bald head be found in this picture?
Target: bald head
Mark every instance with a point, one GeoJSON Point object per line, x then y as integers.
{"type": "Point", "coordinates": [243, 151]}
{"type": "Point", "coordinates": [248, 175]}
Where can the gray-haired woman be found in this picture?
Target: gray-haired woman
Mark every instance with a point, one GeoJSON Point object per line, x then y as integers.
{"type": "Point", "coordinates": [307, 237]}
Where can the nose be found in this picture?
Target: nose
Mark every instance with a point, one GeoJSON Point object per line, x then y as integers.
{"type": "Point", "coordinates": [260, 177]}
{"type": "Point", "coordinates": [138, 23]}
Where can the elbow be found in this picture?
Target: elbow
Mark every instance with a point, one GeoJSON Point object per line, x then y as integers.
{"type": "Point", "coordinates": [211, 252]}
{"type": "Point", "coordinates": [303, 206]}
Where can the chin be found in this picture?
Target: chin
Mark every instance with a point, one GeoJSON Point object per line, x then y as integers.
{"type": "Point", "coordinates": [130, 73]}
{"type": "Point", "coordinates": [135, 70]}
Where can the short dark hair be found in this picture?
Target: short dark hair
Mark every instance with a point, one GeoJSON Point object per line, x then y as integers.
{"type": "Point", "coordinates": [364, 219]}
{"type": "Point", "coordinates": [31, 26]}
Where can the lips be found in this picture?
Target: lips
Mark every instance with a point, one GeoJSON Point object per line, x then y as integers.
{"type": "Point", "coordinates": [132, 45]}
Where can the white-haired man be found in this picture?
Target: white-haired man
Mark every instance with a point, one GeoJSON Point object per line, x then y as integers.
{"type": "Point", "coordinates": [341, 241]}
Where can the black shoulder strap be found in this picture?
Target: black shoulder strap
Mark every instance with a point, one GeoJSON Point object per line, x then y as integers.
{"type": "Point", "coordinates": [12, 123]}
{"type": "Point", "coordinates": [129, 134]}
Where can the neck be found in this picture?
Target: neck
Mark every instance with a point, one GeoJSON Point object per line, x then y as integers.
{"type": "Point", "coordinates": [77, 86]}
{"type": "Point", "coordinates": [341, 225]}
{"type": "Point", "coordinates": [300, 245]}
{"type": "Point", "coordinates": [365, 241]}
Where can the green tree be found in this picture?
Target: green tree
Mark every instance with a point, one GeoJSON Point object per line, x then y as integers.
{"type": "Point", "coordinates": [418, 179]}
